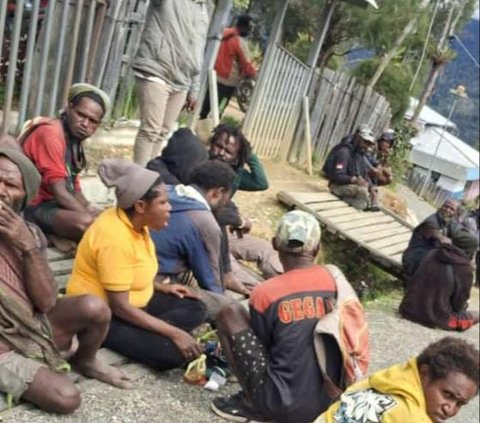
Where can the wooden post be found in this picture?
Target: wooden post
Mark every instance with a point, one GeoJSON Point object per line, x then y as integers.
{"type": "Point", "coordinates": [213, 90]}
{"type": "Point", "coordinates": [308, 134]}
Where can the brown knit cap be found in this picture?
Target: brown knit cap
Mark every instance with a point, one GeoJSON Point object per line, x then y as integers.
{"type": "Point", "coordinates": [131, 181]}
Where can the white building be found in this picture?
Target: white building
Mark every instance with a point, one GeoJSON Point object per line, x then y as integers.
{"type": "Point", "coordinates": [454, 164]}
{"type": "Point", "coordinates": [428, 117]}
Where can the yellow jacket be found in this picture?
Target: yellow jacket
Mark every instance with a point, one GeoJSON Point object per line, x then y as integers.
{"type": "Point", "coordinates": [393, 395]}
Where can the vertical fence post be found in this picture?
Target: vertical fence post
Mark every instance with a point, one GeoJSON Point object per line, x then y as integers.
{"type": "Point", "coordinates": [112, 15]}
{"type": "Point", "coordinates": [44, 58]}
{"type": "Point", "coordinates": [87, 40]}
{"type": "Point", "coordinates": [97, 33]}
{"type": "Point", "coordinates": [308, 134]}
{"type": "Point", "coordinates": [213, 91]}
{"type": "Point", "coordinates": [262, 77]}
{"type": "Point", "coordinates": [215, 34]}
{"type": "Point", "coordinates": [3, 16]}
{"type": "Point", "coordinates": [12, 66]}
{"type": "Point", "coordinates": [59, 57]}
{"type": "Point", "coordinates": [27, 72]}
{"type": "Point", "coordinates": [73, 51]}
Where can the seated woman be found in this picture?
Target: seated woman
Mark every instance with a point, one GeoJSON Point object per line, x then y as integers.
{"type": "Point", "coordinates": [437, 294]}
{"type": "Point", "coordinates": [116, 261]}
{"type": "Point", "coordinates": [429, 388]}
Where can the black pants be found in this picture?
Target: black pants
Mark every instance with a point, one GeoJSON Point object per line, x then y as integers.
{"type": "Point", "coordinates": [151, 348]}
{"type": "Point", "coordinates": [225, 93]}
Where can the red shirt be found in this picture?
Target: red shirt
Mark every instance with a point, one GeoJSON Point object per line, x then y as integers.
{"type": "Point", "coordinates": [46, 148]}
{"type": "Point", "coordinates": [233, 59]}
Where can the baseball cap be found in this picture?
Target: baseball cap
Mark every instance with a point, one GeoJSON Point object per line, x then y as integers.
{"type": "Point", "coordinates": [298, 226]}
{"type": "Point", "coordinates": [388, 135]}
{"type": "Point", "coordinates": [365, 132]}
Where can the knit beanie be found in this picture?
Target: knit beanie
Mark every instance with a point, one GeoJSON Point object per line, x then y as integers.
{"type": "Point", "coordinates": [83, 88]}
{"type": "Point", "coordinates": [131, 181]}
{"type": "Point", "coordinates": [31, 177]}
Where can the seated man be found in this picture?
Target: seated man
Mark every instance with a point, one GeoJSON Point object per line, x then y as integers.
{"type": "Point", "coordinates": [347, 170]}
{"type": "Point", "coordinates": [183, 153]}
{"type": "Point", "coordinates": [381, 171]}
{"type": "Point", "coordinates": [271, 351]}
{"type": "Point", "coordinates": [428, 234]}
{"type": "Point", "coordinates": [190, 246]}
{"type": "Point", "coordinates": [438, 292]}
{"type": "Point", "coordinates": [429, 388]}
{"type": "Point", "coordinates": [230, 146]}
{"type": "Point", "coordinates": [33, 323]}
{"type": "Point", "coordinates": [55, 146]}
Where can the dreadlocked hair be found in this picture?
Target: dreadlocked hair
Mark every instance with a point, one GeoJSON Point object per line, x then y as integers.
{"type": "Point", "coordinates": [245, 149]}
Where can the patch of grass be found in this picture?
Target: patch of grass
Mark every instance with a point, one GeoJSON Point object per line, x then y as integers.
{"type": "Point", "coordinates": [230, 120]}
{"type": "Point", "coordinates": [369, 281]}
{"type": "Point", "coordinates": [386, 301]}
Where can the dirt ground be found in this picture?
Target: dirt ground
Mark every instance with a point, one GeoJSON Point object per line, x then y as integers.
{"type": "Point", "coordinates": [165, 397]}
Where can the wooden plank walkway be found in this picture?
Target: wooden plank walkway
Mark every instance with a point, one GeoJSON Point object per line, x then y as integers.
{"type": "Point", "coordinates": [382, 235]}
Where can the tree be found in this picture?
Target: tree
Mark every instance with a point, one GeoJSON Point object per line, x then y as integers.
{"type": "Point", "coordinates": [441, 54]}
{"type": "Point", "coordinates": [397, 44]}
{"type": "Point", "coordinates": [393, 83]}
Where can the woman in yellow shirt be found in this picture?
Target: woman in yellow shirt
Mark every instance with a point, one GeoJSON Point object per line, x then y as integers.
{"type": "Point", "coordinates": [116, 261]}
{"type": "Point", "coordinates": [430, 388]}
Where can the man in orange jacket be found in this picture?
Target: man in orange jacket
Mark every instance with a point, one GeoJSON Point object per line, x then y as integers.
{"type": "Point", "coordinates": [233, 63]}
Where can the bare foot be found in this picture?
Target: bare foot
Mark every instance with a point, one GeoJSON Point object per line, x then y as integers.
{"type": "Point", "coordinates": [104, 373]}
{"type": "Point", "coordinates": [62, 244]}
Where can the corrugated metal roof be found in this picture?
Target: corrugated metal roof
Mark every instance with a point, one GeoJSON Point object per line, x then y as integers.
{"type": "Point", "coordinates": [428, 116]}
{"type": "Point", "coordinates": [454, 157]}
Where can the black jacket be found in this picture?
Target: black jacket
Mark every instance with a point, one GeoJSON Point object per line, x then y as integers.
{"type": "Point", "coordinates": [345, 162]}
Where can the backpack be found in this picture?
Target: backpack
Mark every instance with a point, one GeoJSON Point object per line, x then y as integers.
{"type": "Point", "coordinates": [329, 166]}
{"type": "Point", "coordinates": [347, 325]}
{"type": "Point", "coordinates": [30, 125]}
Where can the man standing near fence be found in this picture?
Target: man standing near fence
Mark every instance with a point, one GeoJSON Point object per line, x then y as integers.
{"type": "Point", "coordinates": [234, 62]}
{"type": "Point", "coordinates": [167, 69]}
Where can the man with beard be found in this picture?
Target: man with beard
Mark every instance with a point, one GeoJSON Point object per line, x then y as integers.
{"type": "Point", "coordinates": [346, 167]}
{"type": "Point", "coordinates": [34, 325]}
{"type": "Point", "coordinates": [230, 146]}
{"type": "Point", "coordinates": [55, 146]}
{"type": "Point", "coordinates": [435, 229]}
{"type": "Point", "coordinates": [437, 294]}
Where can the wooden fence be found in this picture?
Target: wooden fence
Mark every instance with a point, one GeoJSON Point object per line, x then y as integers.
{"type": "Point", "coordinates": [338, 104]}
{"type": "Point", "coordinates": [273, 114]}
{"type": "Point", "coordinates": [274, 122]}
{"type": "Point", "coordinates": [47, 48]}
{"type": "Point", "coordinates": [69, 41]}
{"type": "Point", "coordinates": [432, 193]}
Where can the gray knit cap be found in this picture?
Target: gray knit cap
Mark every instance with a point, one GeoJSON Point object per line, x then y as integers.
{"type": "Point", "coordinates": [131, 181]}
{"type": "Point", "coordinates": [31, 177]}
